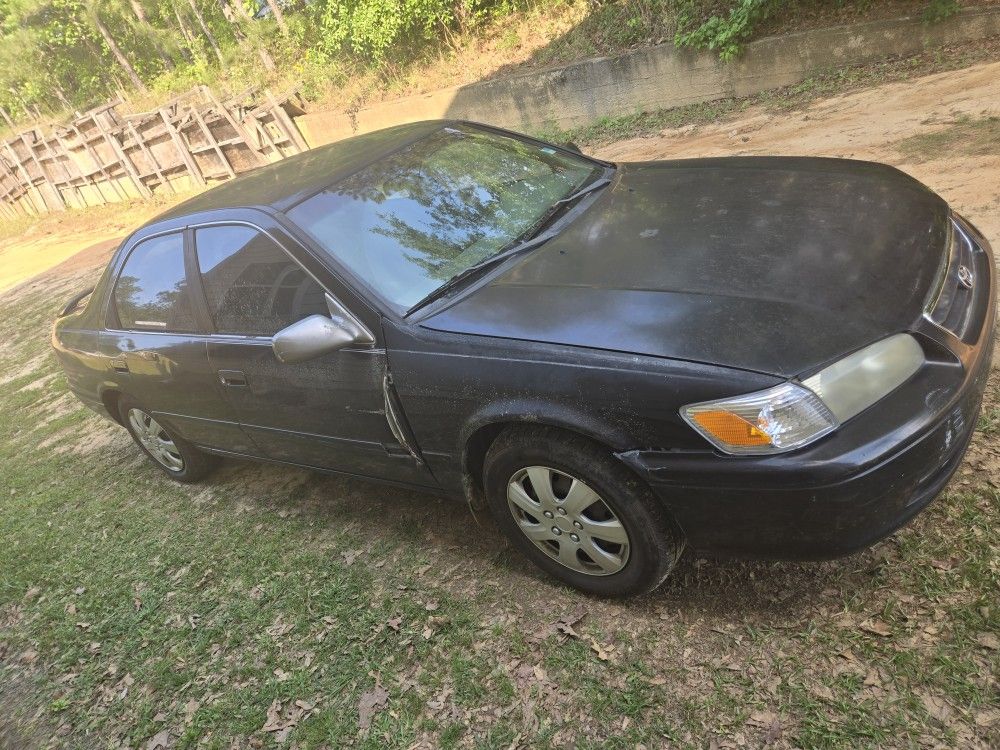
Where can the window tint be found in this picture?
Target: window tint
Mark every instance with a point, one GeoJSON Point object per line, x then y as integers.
{"type": "Point", "coordinates": [253, 287]}
{"type": "Point", "coordinates": [417, 217]}
{"type": "Point", "coordinates": [151, 292]}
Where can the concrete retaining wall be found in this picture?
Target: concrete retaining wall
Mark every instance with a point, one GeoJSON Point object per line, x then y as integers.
{"type": "Point", "coordinates": [655, 78]}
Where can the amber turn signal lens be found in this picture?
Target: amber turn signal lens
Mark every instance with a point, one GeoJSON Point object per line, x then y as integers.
{"type": "Point", "coordinates": [731, 429]}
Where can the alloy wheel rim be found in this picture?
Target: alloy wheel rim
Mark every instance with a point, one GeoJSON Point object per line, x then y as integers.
{"type": "Point", "coordinates": [155, 440]}
{"type": "Point", "coordinates": [568, 520]}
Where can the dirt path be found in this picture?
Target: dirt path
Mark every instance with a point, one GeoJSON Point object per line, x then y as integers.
{"type": "Point", "coordinates": [866, 125]}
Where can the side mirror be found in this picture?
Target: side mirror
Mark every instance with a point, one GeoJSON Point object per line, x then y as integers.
{"type": "Point", "coordinates": [317, 335]}
{"type": "Point", "coordinates": [570, 146]}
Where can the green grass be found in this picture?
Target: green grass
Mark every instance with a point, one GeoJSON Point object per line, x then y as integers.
{"type": "Point", "coordinates": [152, 606]}
{"type": "Point", "coordinates": [965, 136]}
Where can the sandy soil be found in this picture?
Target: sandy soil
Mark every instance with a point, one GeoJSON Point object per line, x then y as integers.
{"type": "Point", "coordinates": [861, 125]}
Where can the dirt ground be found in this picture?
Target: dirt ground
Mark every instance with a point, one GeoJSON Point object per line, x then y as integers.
{"type": "Point", "coordinates": [896, 646]}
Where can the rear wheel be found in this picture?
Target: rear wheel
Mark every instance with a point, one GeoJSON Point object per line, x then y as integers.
{"type": "Point", "coordinates": [577, 513]}
{"type": "Point", "coordinates": [175, 456]}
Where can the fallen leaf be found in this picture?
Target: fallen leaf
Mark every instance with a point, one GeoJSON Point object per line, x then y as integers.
{"type": "Point", "coordinates": [936, 707]}
{"type": "Point", "coordinates": [774, 732]}
{"type": "Point", "coordinates": [603, 652]}
{"type": "Point", "coordinates": [370, 704]}
{"type": "Point", "coordinates": [350, 556]}
{"type": "Point", "coordinates": [988, 640]}
{"type": "Point", "coordinates": [279, 719]}
{"type": "Point", "coordinates": [394, 623]}
{"type": "Point", "coordinates": [763, 719]}
{"type": "Point", "coordinates": [822, 692]}
{"type": "Point", "coordinates": [987, 718]}
{"type": "Point", "coordinates": [281, 736]}
{"type": "Point", "coordinates": [539, 672]}
{"type": "Point", "coordinates": [876, 626]}
{"type": "Point", "coordinates": [279, 628]}
{"type": "Point", "coordinates": [564, 624]}
{"type": "Point", "coordinates": [872, 679]}
{"type": "Point", "coordinates": [158, 740]}
{"type": "Point", "coordinates": [273, 722]}
{"type": "Point", "coordinates": [431, 606]}
{"type": "Point", "coordinates": [79, 590]}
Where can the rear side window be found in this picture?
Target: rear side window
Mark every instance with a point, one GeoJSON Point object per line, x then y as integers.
{"type": "Point", "coordinates": [152, 291]}
{"type": "Point", "coordinates": [252, 286]}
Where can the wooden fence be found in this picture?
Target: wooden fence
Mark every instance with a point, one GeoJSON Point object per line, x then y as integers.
{"type": "Point", "coordinates": [103, 156]}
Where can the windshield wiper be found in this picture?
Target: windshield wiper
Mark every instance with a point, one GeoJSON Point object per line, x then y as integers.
{"type": "Point", "coordinates": [529, 242]}
{"type": "Point", "coordinates": [595, 185]}
{"type": "Point", "coordinates": [475, 268]}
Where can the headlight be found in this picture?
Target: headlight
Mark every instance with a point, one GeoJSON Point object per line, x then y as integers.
{"type": "Point", "coordinates": [792, 415]}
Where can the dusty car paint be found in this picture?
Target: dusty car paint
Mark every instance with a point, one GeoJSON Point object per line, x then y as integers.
{"type": "Point", "coordinates": [682, 282]}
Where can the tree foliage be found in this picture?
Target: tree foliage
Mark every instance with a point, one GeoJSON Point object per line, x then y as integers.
{"type": "Point", "coordinates": [61, 55]}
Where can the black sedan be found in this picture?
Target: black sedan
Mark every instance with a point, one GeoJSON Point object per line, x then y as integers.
{"type": "Point", "coordinates": [772, 357]}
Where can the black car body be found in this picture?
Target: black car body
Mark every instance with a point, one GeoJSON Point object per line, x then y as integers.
{"type": "Point", "coordinates": [676, 283]}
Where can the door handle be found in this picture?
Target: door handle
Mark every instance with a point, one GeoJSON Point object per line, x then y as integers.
{"type": "Point", "coordinates": [234, 378]}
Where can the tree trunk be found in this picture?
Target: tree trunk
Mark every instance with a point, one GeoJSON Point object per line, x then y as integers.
{"type": "Point", "coordinates": [227, 11]}
{"type": "Point", "coordinates": [139, 11]}
{"type": "Point", "coordinates": [119, 55]}
{"type": "Point", "coordinates": [150, 32]}
{"type": "Point", "coordinates": [189, 44]}
{"type": "Point", "coordinates": [208, 33]}
{"type": "Point", "coordinates": [279, 15]}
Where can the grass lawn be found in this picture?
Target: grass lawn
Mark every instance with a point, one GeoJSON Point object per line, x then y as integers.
{"type": "Point", "coordinates": [273, 607]}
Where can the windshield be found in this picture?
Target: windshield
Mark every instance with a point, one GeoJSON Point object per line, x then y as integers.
{"type": "Point", "coordinates": [414, 219]}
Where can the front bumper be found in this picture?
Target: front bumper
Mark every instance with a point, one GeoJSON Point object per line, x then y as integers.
{"type": "Point", "coordinates": [852, 488]}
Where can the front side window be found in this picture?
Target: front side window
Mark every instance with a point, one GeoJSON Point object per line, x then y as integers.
{"type": "Point", "coordinates": [253, 287]}
{"type": "Point", "coordinates": [414, 219]}
{"type": "Point", "coordinates": [152, 292]}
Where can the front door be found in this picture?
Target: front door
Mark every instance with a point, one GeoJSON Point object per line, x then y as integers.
{"type": "Point", "coordinates": [156, 347]}
{"type": "Point", "coordinates": [328, 412]}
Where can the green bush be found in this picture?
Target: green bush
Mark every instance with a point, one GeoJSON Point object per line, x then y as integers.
{"type": "Point", "coordinates": [726, 26]}
{"type": "Point", "coordinates": [727, 34]}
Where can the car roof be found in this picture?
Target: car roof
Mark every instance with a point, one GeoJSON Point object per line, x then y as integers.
{"type": "Point", "coordinates": [283, 184]}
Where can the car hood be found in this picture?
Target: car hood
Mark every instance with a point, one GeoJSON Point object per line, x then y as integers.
{"type": "Point", "coordinates": [776, 265]}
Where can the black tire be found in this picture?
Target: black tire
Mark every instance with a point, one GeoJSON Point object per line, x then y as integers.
{"type": "Point", "coordinates": [654, 543]}
{"type": "Point", "coordinates": [196, 465]}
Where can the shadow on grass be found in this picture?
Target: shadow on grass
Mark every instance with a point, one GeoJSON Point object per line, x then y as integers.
{"type": "Point", "coordinates": [447, 531]}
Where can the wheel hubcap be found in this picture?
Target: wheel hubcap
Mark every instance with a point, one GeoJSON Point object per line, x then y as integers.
{"type": "Point", "coordinates": [155, 440]}
{"type": "Point", "coordinates": [568, 521]}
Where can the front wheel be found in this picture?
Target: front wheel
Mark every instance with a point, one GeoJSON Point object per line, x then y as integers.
{"type": "Point", "coordinates": [179, 459]}
{"type": "Point", "coordinates": [577, 513]}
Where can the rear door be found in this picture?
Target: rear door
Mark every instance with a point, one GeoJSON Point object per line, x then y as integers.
{"type": "Point", "coordinates": [155, 346]}
{"type": "Point", "coordinates": [328, 412]}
